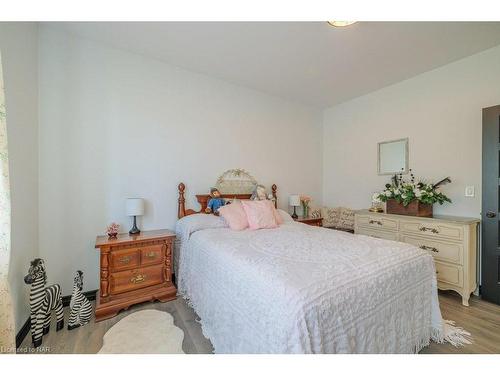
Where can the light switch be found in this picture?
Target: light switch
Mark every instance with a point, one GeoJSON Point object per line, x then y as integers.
{"type": "Point", "coordinates": [469, 191]}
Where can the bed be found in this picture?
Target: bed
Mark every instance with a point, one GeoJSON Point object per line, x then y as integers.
{"type": "Point", "coordinates": [304, 289]}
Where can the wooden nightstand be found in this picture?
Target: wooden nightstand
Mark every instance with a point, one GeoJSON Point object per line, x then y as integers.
{"type": "Point", "coordinates": [134, 269]}
{"type": "Point", "coordinates": [314, 221]}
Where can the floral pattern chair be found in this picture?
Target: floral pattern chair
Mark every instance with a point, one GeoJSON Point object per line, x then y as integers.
{"type": "Point", "coordinates": [340, 218]}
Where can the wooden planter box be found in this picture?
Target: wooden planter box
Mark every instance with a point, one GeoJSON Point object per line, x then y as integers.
{"type": "Point", "coordinates": [415, 208]}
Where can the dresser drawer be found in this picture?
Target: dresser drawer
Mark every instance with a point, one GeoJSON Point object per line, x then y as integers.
{"type": "Point", "coordinates": [125, 281]}
{"type": "Point", "coordinates": [432, 229]}
{"type": "Point", "coordinates": [445, 251]}
{"type": "Point", "coordinates": [377, 222]}
{"type": "Point", "coordinates": [386, 235]}
{"type": "Point", "coordinates": [123, 259]}
{"type": "Point", "coordinates": [449, 274]}
{"type": "Point", "coordinates": [151, 255]}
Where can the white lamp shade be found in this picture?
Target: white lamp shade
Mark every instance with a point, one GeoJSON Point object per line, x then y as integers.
{"type": "Point", "coordinates": [135, 207]}
{"type": "Point", "coordinates": [294, 200]}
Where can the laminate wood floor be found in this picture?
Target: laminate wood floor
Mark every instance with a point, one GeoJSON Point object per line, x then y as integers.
{"type": "Point", "coordinates": [481, 319]}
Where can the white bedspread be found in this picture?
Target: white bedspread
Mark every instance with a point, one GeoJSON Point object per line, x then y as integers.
{"type": "Point", "coordinates": [305, 289]}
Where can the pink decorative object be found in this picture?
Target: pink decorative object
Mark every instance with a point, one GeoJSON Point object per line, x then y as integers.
{"type": "Point", "coordinates": [259, 214]}
{"type": "Point", "coordinates": [277, 215]}
{"type": "Point", "coordinates": [112, 230]}
{"type": "Point", "coordinates": [235, 215]}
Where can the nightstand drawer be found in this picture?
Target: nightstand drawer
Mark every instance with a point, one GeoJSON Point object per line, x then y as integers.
{"type": "Point", "coordinates": [314, 221]}
{"type": "Point", "coordinates": [151, 254]}
{"type": "Point", "coordinates": [125, 281]}
{"type": "Point", "coordinates": [377, 222]}
{"type": "Point", "coordinates": [123, 259]}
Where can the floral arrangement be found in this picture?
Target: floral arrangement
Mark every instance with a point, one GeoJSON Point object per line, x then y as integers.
{"type": "Point", "coordinates": [305, 200]}
{"type": "Point", "coordinates": [406, 191]}
{"type": "Point", "coordinates": [112, 229]}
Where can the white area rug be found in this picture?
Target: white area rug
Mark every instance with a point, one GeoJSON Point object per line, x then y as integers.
{"type": "Point", "coordinates": [144, 332]}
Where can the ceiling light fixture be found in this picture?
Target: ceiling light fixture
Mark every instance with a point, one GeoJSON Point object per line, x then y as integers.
{"type": "Point", "coordinates": [340, 23]}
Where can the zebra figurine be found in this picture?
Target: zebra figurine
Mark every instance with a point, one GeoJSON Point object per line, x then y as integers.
{"type": "Point", "coordinates": [42, 301]}
{"type": "Point", "coordinates": [80, 307]}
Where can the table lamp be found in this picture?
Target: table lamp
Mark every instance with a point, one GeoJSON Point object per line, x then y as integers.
{"type": "Point", "coordinates": [294, 201]}
{"type": "Point", "coordinates": [135, 207]}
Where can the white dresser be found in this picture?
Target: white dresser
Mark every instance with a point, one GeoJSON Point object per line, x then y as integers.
{"type": "Point", "coordinates": [451, 240]}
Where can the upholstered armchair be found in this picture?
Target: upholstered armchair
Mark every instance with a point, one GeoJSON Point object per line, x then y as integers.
{"type": "Point", "coordinates": [340, 218]}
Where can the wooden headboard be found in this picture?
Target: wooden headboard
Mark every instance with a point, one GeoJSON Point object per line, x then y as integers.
{"type": "Point", "coordinates": [204, 198]}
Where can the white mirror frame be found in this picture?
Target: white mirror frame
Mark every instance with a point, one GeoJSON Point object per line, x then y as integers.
{"type": "Point", "coordinates": [406, 168]}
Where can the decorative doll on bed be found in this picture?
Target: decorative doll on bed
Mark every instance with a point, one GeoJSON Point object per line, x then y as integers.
{"type": "Point", "coordinates": [215, 202]}
{"type": "Point", "coordinates": [260, 194]}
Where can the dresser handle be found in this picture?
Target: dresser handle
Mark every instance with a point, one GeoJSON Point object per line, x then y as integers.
{"type": "Point", "coordinates": [375, 222]}
{"type": "Point", "coordinates": [151, 254]}
{"type": "Point", "coordinates": [138, 279]}
{"type": "Point", "coordinates": [125, 260]}
{"type": "Point", "coordinates": [433, 249]}
{"type": "Point", "coordinates": [425, 229]}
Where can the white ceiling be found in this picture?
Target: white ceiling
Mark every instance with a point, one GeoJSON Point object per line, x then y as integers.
{"type": "Point", "coordinates": [309, 62]}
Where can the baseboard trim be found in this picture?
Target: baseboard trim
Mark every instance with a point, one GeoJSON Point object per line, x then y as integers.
{"type": "Point", "coordinates": [25, 329]}
{"type": "Point", "coordinates": [90, 295]}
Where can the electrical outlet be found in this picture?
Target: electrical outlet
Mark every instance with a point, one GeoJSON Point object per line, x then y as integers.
{"type": "Point", "coordinates": [469, 191]}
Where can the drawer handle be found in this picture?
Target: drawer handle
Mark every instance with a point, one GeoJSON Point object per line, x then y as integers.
{"type": "Point", "coordinates": [151, 254]}
{"type": "Point", "coordinates": [125, 260]}
{"type": "Point", "coordinates": [375, 222]}
{"type": "Point", "coordinates": [425, 229]}
{"type": "Point", "coordinates": [138, 279]}
{"type": "Point", "coordinates": [433, 249]}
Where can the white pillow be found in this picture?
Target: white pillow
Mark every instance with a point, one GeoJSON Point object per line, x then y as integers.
{"type": "Point", "coordinates": [285, 215]}
{"type": "Point", "coordinates": [193, 223]}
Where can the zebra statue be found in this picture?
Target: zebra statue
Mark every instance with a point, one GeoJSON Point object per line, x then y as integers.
{"type": "Point", "coordinates": [42, 301]}
{"type": "Point", "coordinates": [80, 307]}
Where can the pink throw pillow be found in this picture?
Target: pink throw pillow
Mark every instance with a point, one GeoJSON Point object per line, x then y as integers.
{"type": "Point", "coordinates": [277, 216]}
{"type": "Point", "coordinates": [235, 216]}
{"type": "Point", "coordinates": [260, 214]}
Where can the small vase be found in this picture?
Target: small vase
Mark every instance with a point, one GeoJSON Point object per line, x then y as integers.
{"type": "Point", "coordinates": [112, 235]}
{"type": "Point", "coordinates": [305, 211]}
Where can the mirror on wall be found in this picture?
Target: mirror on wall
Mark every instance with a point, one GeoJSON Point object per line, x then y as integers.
{"type": "Point", "coordinates": [393, 157]}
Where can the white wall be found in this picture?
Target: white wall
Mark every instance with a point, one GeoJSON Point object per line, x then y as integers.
{"type": "Point", "coordinates": [19, 47]}
{"type": "Point", "coordinates": [440, 112]}
{"type": "Point", "coordinates": [115, 124]}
